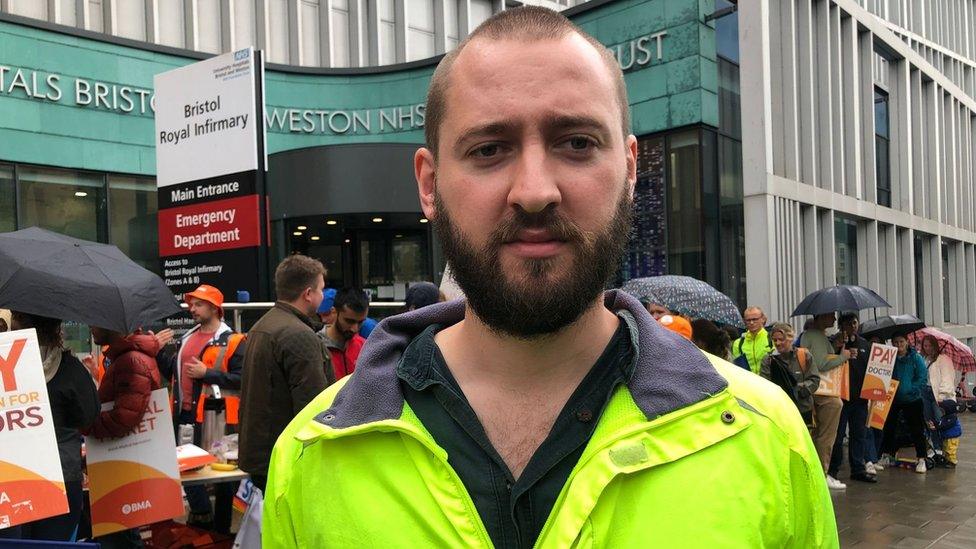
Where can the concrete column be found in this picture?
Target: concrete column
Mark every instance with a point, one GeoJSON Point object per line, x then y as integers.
{"type": "Point", "coordinates": [760, 234]}
{"type": "Point", "coordinates": [325, 32]}
{"type": "Point", "coordinates": [228, 39]}
{"type": "Point", "coordinates": [400, 28]}
{"type": "Point", "coordinates": [757, 148]}
{"type": "Point", "coordinates": [295, 54]}
{"type": "Point", "coordinates": [358, 55]}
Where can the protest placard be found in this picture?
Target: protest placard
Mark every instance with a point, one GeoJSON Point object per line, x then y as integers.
{"type": "Point", "coordinates": [878, 413]}
{"type": "Point", "coordinates": [135, 479]}
{"type": "Point", "coordinates": [835, 382]}
{"type": "Point", "coordinates": [881, 362]}
{"type": "Point", "coordinates": [31, 481]}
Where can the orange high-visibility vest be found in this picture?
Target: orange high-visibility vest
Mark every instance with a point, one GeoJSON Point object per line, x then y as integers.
{"type": "Point", "coordinates": [218, 356]}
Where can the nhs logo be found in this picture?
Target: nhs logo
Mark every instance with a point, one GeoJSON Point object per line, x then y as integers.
{"type": "Point", "coordinates": [241, 54]}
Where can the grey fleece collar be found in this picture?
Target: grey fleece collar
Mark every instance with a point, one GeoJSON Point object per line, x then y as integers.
{"type": "Point", "coordinates": [671, 373]}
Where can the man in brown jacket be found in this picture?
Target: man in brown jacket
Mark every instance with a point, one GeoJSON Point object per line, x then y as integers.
{"type": "Point", "coordinates": [285, 364]}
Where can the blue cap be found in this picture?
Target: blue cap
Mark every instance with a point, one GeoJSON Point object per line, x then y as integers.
{"type": "Point", "coordinates": [329, 299]}
{"type": "Point", "coordinates": [367, 327]}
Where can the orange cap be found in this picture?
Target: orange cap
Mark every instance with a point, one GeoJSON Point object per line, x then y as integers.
{"type": "Point", "coordinates": [677, 324]}
{"type": "Point", "coordinates": [208, 293]}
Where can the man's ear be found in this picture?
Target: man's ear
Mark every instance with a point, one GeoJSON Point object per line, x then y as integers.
{"type": "Point", "coordinates": [425, 171]}
{"type": "Point", "coordinates": [630, 146]}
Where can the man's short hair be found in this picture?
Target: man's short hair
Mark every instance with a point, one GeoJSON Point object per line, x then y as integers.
{"type": "Point", "coordinates": [353, 299]}
{"type": "Point", "coordinates": [525, 24]}
{"type": "Point", "coordinates": [784, 328]}
{"type": "Point", "coordinates": [848, 316]}
{"type": "Point", "coordinates": [294, 274]}
{"type": "Point", "coordinates": [753, 308]}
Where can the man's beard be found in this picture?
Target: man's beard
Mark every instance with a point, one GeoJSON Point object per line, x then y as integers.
{"type": "Point", "coordinates": [534, 304]}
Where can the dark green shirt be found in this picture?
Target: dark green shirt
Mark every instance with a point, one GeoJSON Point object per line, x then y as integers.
{"type": "Point", "coordinates": [513, 512]}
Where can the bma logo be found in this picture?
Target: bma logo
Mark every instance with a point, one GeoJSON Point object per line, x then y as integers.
{"type": "Point", "coordinates": [240, 54]}
{"type": "Point", "coordinates": [137, 506]}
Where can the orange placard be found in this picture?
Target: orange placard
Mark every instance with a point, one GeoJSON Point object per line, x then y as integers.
{"type": "Point", "coordinates": [134, 479]}
{"type": "Point", "coordinates": [881, 363]}
{"type": "Point", "coordinates": [835, 382]}
{"type": "Point", "coordinates": [878, 412]}
{"type": "Point", "coordinates": [31, 481]}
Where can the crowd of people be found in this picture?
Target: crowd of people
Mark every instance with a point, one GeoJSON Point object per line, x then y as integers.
{"type": "Point", "coordinates": [313, 336]}
{"type": "Point", "coordinates": [924, 404]}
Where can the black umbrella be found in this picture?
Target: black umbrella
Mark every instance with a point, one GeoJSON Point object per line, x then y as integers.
{"type": "Point", "coordinates": [887, 327]}
{"type": "Point", "coordinates": [49, 274]}
{"type": "Point", "coordinates": [839, 298]}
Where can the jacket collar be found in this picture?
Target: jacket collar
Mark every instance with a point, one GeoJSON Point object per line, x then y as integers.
{"type": "Point", "coordinates": [221, 330]}
{"type": "Point", "coordinates": [312, 323]}
{"type": "Point", "coordinates": [670, 374]}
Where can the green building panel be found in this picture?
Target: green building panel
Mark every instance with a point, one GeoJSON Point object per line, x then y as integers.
{"type": "Point", "coordinates": [77, 102]}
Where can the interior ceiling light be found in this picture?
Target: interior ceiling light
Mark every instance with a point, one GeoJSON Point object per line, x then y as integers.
{"type": "Point", "coordinates": [297, 233]}
{"type": "Point", "coordinates": [377, 220]}
{"type": "Point", "coordinates": [81, 194]}
{"type": "Point", "coordinates": [332, 222]}
{"type": "Point", "coordinates": [315, 238]}
{"type": "Point", "coordinates": [423, 220]}
{"type": "Point", "coordinates": [348, 241]}
{"type": "Point", "coordinates": [301, 227]}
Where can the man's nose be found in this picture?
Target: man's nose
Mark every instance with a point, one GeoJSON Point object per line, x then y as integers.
{"type": "Point", "coordinates": [534, 184]}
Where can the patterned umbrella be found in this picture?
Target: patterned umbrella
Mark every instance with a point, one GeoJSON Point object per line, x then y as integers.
{"type": "Point", "coordinates": [961, 355]}
{"type": "Point", "coordinates": [686, 296]}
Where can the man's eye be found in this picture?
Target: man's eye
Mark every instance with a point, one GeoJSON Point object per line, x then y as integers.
{"type": "Point", "coordinates": [486, 151]}
{"type": "Point", "coordinates": [579, 143]}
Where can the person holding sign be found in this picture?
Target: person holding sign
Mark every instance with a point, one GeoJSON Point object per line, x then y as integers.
{"type": "Point", "coordinates": [129, 381]}
{"type": "Point", "coordinates": [826, 408]}
{"type": "Point", "coordinates": [912, 378]}
{"type": "Point", "coordinates": [854, 414]}
{"type": "Point", "coordinates": [74, 406]}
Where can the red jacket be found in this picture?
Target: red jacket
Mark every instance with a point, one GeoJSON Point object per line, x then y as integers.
{"type": "Point", "coordinates": [129, 379]}
{"type": "Point", "coordinates": [344, 360]}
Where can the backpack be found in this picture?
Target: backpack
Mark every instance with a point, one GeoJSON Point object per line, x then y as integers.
{"type": "Point", "coordinates": [742, 361]}
{"type": "Point", "coordinates": [781, 376]}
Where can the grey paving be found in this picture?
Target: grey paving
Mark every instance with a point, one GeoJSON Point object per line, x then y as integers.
{"type": "Point", "coordinates": [905, 509]}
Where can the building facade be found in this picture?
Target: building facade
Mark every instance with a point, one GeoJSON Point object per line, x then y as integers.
{"type": "Point", "coordinates": [847, 158]}
{"type": "Point", "coordinates": [859, 153]}
{"type": "Point", "coordinates": [77, 146]}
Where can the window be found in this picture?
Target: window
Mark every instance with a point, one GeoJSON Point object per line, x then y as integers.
{"type": "Point", "coordinates": [132, 215]}
{"type": "Point", "coordinates": [729, 101]}
{"type": "Point", "coordinates": [732, 238]}
{"type": "Point", "coordinates": [845, 239]}
{"type": "Point", "coordinates": [727, 32]}
{"type": "Point", "coordinates": [64, 201]}
{"type": "Point", "coordinates": [684, 202]}
{"type": "Point", "coordinates": [919, 276]}
{"type": "Point", "coordinates": [881, 157]}
{"type": "Point", "coordinates": [646, 253]}
{"type": "Point", "coordinates": [946, 302]}
{"type": "Point", "coordinates": [8, 209]}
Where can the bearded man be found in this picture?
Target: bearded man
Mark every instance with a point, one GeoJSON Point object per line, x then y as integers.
{"type": "Point", "coordinates": [543, 411]}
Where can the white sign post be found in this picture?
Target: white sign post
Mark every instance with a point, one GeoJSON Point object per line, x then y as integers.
{"type": "Point", "coordinates": [207, 120]}
{"type": "Point", "coordinates": [210, 162]}
{"type": "Point", "coordinates": [31, 481]}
